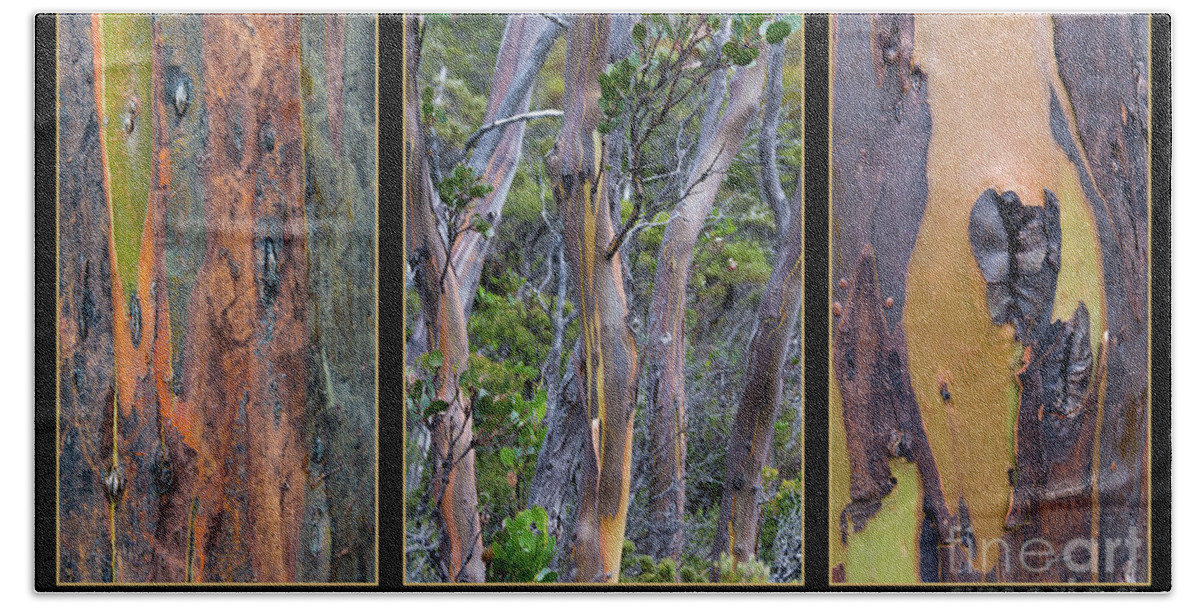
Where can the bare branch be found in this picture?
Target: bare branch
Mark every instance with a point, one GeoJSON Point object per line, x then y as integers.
{"type": "Point", "coordinates": [534, 115]}
{"type": "Point", "coordinates": [769, 185]}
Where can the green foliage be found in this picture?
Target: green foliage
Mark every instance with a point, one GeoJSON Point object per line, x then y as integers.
{"type": "Point", "coordinates": [724, 266]}
{"type": "Point", "coordinates": [430, 113]}
{"type": "Point", "coordinates": [523, 548]}
{"type": "Point", "coordinates": [506, 327]}
{"type": "Point", "coordinates": [465, 47]}
{"type": "Point", "coordinates": [462, 186]}
{"type": "Point", "coordinates": [752, 571]}
{"type": "Point", "coordinates": [640, 568]}
{"type": "Point", "coordinates": [786, 499]}
{"type": "Point", "coordinates": [777, 31]}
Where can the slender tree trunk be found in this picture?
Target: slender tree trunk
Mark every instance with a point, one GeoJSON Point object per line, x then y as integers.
{"type": "Point", "coordinates": [754, 424]}
{"type": "Point", "coordinates": [523, 49]}
{"type": "Point", "coordinates": [609, 354]}
{"type": "Point", "coordinates": [454, 457]}
{"type": "Point", "coordinates": [667, 347]}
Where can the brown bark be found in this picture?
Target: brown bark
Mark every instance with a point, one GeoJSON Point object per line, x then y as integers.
{"type": "Point", "coordinates": [1056, 427]}
{"type": "Point", "coordinates": [667, 347]}
{"type": "Point", "coordinates": [882, 422]}
{"type": "Point", "coordinates": [248, 313]}
{"type": "Point", "coordinates": [85, 324]}
{"type": "Point", "coordinates": [337, 55]}
{"type": "Point", "coordinates": [609, 353]}
{"type": "Point", "coordinates": [880, 137]}
{"type": "Point", "coordinates": [199, 449]}
{"type": "Point", "coordinates": [754, 424]}
{"type": "Point", "coordinates": [453, 454]}
{"type": "Point", "coordinates": [1103, 61]}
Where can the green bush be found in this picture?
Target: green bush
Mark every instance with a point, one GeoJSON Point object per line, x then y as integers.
{"type": "Point", "coordinates": [640, 568]}
{"type": "Point", "coordinates": [752, 571]}
{"type": "Point", "coordinates": [522, 550]}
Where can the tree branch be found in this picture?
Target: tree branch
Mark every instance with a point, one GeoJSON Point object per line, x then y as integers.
{"type": "Point", "coordinates": [534, 115]}
{"type": "Point", "coordinates": [769, 185]}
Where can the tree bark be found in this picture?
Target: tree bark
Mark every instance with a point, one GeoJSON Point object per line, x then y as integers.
{"type": "Point", "coordinates": [85, 323]}
{"type": "Point", "coordinates": [609, 354]}
{"type": "Point", "coordinates": [666, 350]}
{"type": "Point", "coordinates": [184, 225]}
{"type": "Point", "coordinates": [454, 456]}
{"type": "Point", "coordinates": [338, 55]}
{"type": "Point", "coordinates": [1104, 64]}
{"type": "Point", "coordinates": [754, 424]}
{"type": "Point", "coordinates": [523, 49]}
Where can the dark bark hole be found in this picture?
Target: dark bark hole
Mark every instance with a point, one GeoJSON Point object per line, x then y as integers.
{"type": "Point", "coordinates": [135, 320]}
{"type": "Point", "coordinates": [270, 272]}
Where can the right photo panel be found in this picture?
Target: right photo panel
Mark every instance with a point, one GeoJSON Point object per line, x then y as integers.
{"type": "Point", "coordinates": [988, 292]}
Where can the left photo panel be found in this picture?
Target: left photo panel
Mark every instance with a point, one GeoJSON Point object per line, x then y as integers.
{"type": "Point", "coordinates": [216, 305]}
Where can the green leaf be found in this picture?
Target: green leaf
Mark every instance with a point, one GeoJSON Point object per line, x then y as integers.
{"type": "Point", "coordinates": [433, 360]}
{"type": "Point", "coordinates": [777, 31]}
{"type": "Point", "coordinates": [437, 406]}
{"type": "Point", "coordinates": [508, 457]}
{"type": "Point", "coordinates": [639, 34]}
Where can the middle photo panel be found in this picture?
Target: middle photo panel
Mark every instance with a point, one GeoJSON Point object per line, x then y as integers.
{"type": "Point", "coordinates": [604, 239]}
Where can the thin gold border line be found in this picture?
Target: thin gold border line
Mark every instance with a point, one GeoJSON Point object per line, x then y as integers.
{"type": "Point", "coordinates": [404, 296]}
{"type": "Point", "coordinates": [57, 308]}
{"type": "Point", "coordinates": [830, 379]}
{"type": "Point", "coordinates": [803, 302]}
{"type": "Point", "coordinates": [1149, 487]}
{"type": "Point", "coordinates": [375, 574]}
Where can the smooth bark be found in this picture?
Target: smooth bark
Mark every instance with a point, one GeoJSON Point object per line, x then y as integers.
{"type": "Point", "coordinates": [453, 455]}
{"type": "Point", "coordinates": [666, 349]}
{"type": "Point", "coordinates": [609, 354]}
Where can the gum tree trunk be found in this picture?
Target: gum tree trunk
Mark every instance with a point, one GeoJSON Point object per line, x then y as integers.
{"type": "Point", "coordinates": [454, 457]}
{"type": "Point", "coordinates": [188, 333]}
{"type": "Point", "coordinates": [667, 348]}
{"type": "Point", "coordinates": [609, 357]}
{"type": "Point", "coordinates": [754, 424]}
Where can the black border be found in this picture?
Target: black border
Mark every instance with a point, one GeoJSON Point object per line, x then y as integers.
{"type": "Point", "coordinates": [45, 230]}
{"type": "Point", "coordinates": [1160, 301]}
{"type": "Point", "coordinates": [391, 331]}
{"type": "Point", "coordinates": [816, 302]}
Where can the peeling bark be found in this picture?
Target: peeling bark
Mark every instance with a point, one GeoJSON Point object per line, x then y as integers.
{"type": "Point", "coordinates": [182, 137]}
{"type": "Point", "coordinates": [454, 455]}
{"type": "Point", "coordinates": [85, 324]}
{"type": "Point", "coordinates": [609, 354]}
{"type": "Point", "coordinates": [1103, 61]}
{"type": "Point", "coordinates": [883, 422]}
{"type": "Point", "coordinates": [1056, 427]}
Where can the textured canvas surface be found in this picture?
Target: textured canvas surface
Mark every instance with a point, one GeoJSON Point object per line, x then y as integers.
{"type": "Point", "coordinates": [637, 302]}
